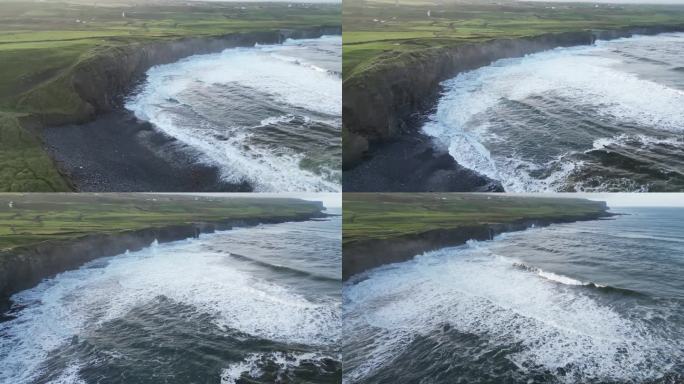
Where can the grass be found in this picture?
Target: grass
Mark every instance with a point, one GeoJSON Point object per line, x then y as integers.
{"type": "Point", "coordinates": [34, 218]}
{"type": "Point", "coordinates": [41, 42]}
{"type": "Point", "coordinates": [372, 216]}
{"type": "Point", "coordinates": [379, 32]}
{"type": "Point", "coordinates": [24, 165]}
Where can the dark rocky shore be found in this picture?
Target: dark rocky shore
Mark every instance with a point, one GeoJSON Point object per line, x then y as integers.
{"type": "Point", "coordinates": [101, 147]}
{"type": "Point", "coordinates": [383, 110]}
{"type": "Point", "coordinates": [361, 256]}
{"type": "Point", "coordinates": [412, 162]}
{"type": "Point", "coordinates": [24, 267]}
{"type": "Point", "coordinates": [119, 153]}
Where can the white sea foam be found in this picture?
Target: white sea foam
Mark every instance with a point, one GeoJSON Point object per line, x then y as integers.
{"type": "Point", "coordinates": [69, 376]}
{"type": "Point", "coordinates": [248, 366]}
{"type": "Point", "coordinates": [185, 272]}
{"type": "Point", "coordinates": [251, 366]}
{"type": "Point", "coordinates": [579, 76]}
{"type": "Point", "coordinates": [481, 293]}
{"type": "Point", "coordinates": [288, 80]}
{"type": "Point", "coordinates": [643, 140]}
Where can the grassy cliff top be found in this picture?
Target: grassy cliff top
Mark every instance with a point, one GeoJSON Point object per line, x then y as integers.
{"type": "Point", "coordinates": [27, 219]}
{"type": "Point", "coordinates": [377, 32]}
{"type": "Point", "coordinates": [42, 41]}
{"type": "Point", "coordinates": [369, 216]}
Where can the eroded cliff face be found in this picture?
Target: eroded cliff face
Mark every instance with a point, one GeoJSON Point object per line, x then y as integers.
{"type": "Point", "coordinates": [378, 102]}
{"type": "Point", "coordinates": [365, 255]}
{"type": "Point", "coordinates": [24, 267]}
{"type": "Point", "coordinates": [102, 81]}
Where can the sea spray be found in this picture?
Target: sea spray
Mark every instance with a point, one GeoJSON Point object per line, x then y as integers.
{"type": "Point", "coordinates": [268, 115]}
{"type": "Point", "coordinates": [571, 118]}
{"type": "Point", "coordinates": [185, 309]}
{"type": "Point", "coordinates": [554, 304]}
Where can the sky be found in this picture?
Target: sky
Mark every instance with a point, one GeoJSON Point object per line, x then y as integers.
{"type": "Point", "coordinates": [334, 200]}
{"type": "Point", "coordinates": [330, 200]}
{"type": "Point", "coordinates": [630, 199]}
{"type": "Point", "coordinates": [639, 199]}
{"type": "Point", "coordinates": [278, 1]}
{"type": "Point", "coordinates": [616, 1]}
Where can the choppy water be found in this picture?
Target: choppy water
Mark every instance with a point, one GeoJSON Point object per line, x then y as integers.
{"type": "Point", "coordinates": [608, 117]}
{"type": "Point", "coordinates": [259, 303]}
{"type": "Point", "coordinates": [589, 302]}
{"type": "Point", "coordinates": [268, 115]}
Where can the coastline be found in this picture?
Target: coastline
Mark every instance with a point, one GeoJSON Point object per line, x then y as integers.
{"type": "Point", "coordinates": [119, 153]}
{"type": "Point", "coordinates": [386, 105]}
{"type": "Point", "coordinates": [413, 162]}
{"type": "Point", "coordinates": [101, 84]}
{"type": "Point", "coordinates": [25, 266]}
{"type": "Point", "coordinates": [361, 256]}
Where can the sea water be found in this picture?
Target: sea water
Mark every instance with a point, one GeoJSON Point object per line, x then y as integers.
{"type": "Point", "coordinates": [261, 303]}
{"type": "Point", "coordinates": [606, 117]}
{"type": "Point", "coordinates": [268, 115]}
{"type": "Point", "coordinates": [592, 302]}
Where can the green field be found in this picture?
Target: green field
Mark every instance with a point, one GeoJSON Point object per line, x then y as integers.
{"type": "Point", "coordinates": [42, 41]}
{"type": "Point", "coordinates": [380, 32]}
{"type": "Point", "coordinates": [27, 219]}
{"type": "Point", "coordinates": [372, 216]}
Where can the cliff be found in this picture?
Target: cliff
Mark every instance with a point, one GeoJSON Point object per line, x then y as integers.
{"type": "Point", "coordinates": [379, 102]}
{"type": "Point", "coordinates": [362, 256]}
{"type": "Point", "coordinates": [98, 83]}
{"type": "Point", "coordinates": [381, 229]}
{"type": "Point", "coordinates": [24, 267]}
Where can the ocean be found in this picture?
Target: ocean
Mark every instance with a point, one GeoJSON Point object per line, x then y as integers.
{"type": "Point", "coordinates": [269, 115]}
{"type": "Point", "coordinates": [592, 302]}
{"type": "Point", "coordinates": [606, 117]}
{"type": "Point", "coordinates": [255, 303]}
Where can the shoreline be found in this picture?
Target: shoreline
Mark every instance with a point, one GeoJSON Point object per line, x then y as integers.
{"type": "Point", "coordinates": [361, 256]}
{"type": "Point", "coordinates": [102, 83]}
{"type": "Point", "coordinates": [24, 267]}
{"type": "Point", "coordinates": [413, 162]}
{"type": "Point", "coordinates": [119, 153]}
{"type": "Point", "coordinates": [388, 105]}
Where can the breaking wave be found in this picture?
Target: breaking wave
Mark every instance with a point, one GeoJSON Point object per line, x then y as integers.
{"type": "Point", "coordinates": [541, 322]}
{"type": "Point", "coordinates": [268, 115]}
{"type": "Point", "coordinates": [554, 121]}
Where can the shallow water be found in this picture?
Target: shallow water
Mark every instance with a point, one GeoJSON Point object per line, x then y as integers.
{"type": "Point", "coordinates": [592, 302]}
{"type": "Point", "coordinates": [268, 115]}
{"type": "Point", "coordinates": [261, 303]}
{"type": "Point", "coordinates": [607, 117]}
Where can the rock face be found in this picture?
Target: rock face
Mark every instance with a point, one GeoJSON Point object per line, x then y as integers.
{"type": "Point", "coordinates": [103, 80]}
{"type": "Point", "coordinates": [24, 267]}
{"type": "Point", "coordinates": [378, 103]}
{"type": "Point", "coordinates": [364, 255]}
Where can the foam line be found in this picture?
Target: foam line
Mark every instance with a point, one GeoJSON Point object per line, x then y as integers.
{"type": "Point", "coordinates": [290, 81]}
{"type": "Point", "coordinates": [186, 272]}
{"type": "Point", "coordinates": [587, 78]}
{"type": "Point", "coordinates": [478, 292]}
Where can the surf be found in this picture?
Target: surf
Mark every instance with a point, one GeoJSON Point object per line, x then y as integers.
{"type": "Point", "coordinates": [544, 122]}
{"type": "Point", "coordinates": [51, 322]}
{"type": "Point", "coordinates": [543, 322]}
{"type": "Point", "coordinates": [268, 115]}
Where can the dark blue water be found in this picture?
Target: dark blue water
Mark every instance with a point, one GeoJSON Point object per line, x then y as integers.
{"type": "Point", "coordinates": [268, 115]}
{"type": "Point", "coordinates": [605, 117]}
{"type": "Point", "coordinates": [250, 305]}
{"type": "Point", "coordinates": [590, 302]}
